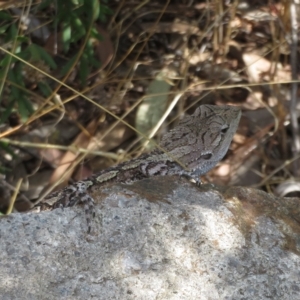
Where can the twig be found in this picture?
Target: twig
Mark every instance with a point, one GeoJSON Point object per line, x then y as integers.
{"type": "Point", "coordinates": [294, 87]}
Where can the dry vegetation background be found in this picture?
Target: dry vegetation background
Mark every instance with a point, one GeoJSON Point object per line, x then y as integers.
{"type": "Point", "coordinates": [83, 83]}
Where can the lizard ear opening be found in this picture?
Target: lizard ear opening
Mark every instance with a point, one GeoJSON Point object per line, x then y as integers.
{"type": "Point", "coordinates": [206, 156]}
{"type": "Point", "coordinates": [224, 129]}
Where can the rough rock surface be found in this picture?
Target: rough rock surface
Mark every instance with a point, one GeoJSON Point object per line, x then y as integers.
{"type": "Point", "coordinates": [161, 238]}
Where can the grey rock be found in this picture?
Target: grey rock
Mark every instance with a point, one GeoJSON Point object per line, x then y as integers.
{"type": "Point", "coordinates": [160, 238]}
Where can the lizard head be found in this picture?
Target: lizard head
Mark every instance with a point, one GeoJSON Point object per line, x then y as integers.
{"type": "Point", "coordinates": [202, 139]}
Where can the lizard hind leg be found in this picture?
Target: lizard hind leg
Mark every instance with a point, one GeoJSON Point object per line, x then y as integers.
{"type": "Point", "coordinates": [191, 176]}
{"type": "Point", "coordinates": [89, 209]}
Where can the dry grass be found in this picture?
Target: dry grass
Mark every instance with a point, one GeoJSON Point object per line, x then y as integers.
{"type": "Point", "coordinates": [159, 59]}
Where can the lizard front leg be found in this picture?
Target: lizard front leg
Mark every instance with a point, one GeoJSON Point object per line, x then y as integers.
{"type": "Point", "coordinates": [72, 195]}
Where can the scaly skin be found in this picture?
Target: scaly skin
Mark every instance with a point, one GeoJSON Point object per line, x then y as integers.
{"type": "Point", "coordinates": [191, 149]}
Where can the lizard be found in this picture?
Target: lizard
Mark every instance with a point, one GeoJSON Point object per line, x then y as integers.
{"type": "Point", "coordinates": [190, 149]}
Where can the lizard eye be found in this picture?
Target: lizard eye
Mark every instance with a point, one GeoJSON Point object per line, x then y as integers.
{"type": "Point", "coordinates": [206, 156]}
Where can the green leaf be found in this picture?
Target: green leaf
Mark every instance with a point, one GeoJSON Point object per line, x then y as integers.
{"type": "Point", "coordinates": [65, 69]}
{"type": "Point", "coordinates": [5, 16]}
{"type": "Point", "coordinates": [89, 49]}
{"type": "Point", "coordinates": [104, 12]}
{"type": "Point", "coordinates": [84, 69]}
{"type": "Point", "coordinates": [3, 28]}
{"type": "Point", "coordinates": [13, 76]}
{"type": "Point", "coordinates": [78, 30]}
{"type": "Point", "coordinates": [46, 57]}
{"type": "Point", "coordinates": [153, 107]}
{"type": "Point", "coordinates": [23, 39]}
{"type": "Point", "coordinates": [66, 37]}
{"type": "Point", "coordinates": [92, 9]}
{"type": "Point", "coordinates": [11, 33]}
{"type": "Point", "coordinates": [24, 107]}
{"type": "Point", "coordinates": [5, 147]}
{"type": "Point", "coordinates": [7, 60]}
{"type": "Point", "coordinates": [8, 110]}
{"type": "Point", "coordinates": [95, 63]}
{"type": "Point", "coordinates": [95, 34]}
{"type": "Point", "coordinates": [15, 92]}
{"type": "Point", "coordinates": [24, 54]}
{"type": "Point", "coordinates": [77, 2]}
{"type": "Point", "coordinates": [19, 96]}
{"type": "Point", "coordinates": [44, 88]}
{"type": "Point", "coordinates": [34, 52]}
